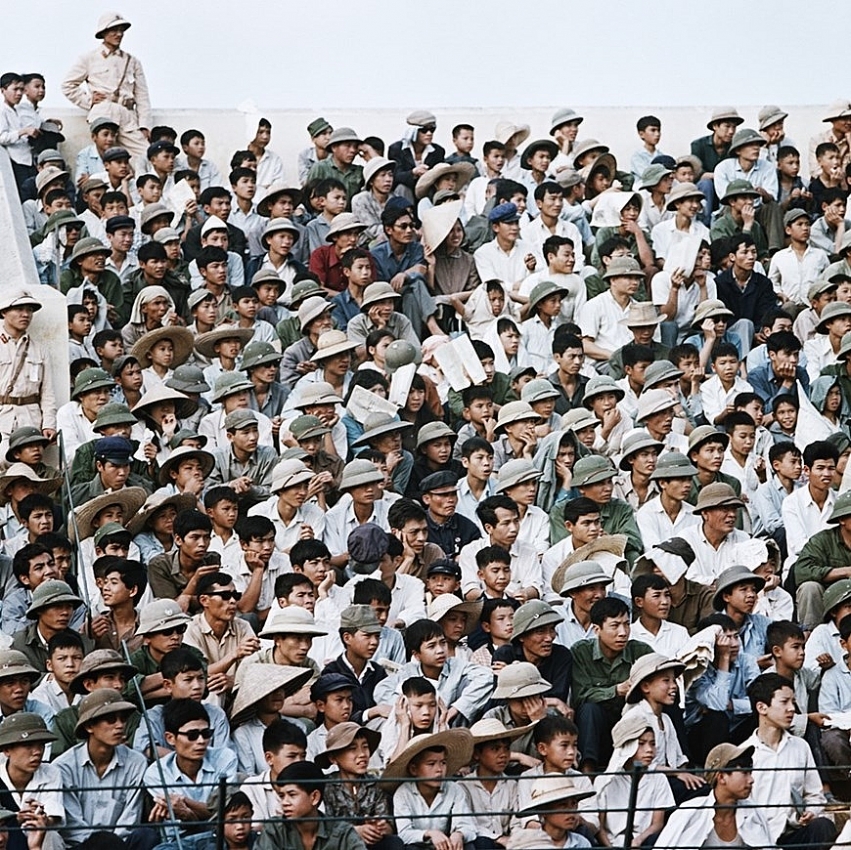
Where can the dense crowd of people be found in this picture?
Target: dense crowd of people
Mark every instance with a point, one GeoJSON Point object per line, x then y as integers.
{"type": "Point", "coordinates": [487, 496]}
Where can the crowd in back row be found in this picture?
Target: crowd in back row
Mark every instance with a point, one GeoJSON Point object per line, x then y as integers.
{"type": "Point", "coordinates": [523, 468]}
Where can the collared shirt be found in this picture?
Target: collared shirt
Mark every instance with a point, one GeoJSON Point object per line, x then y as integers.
{"type": "Point", "coordinates": [49, 692]}
{"type": "Point", "coordinates": [762, 175]}
{"type": "Point", "coordinates": [219, 762]}
{"type": "Point", "coordinates": [595, 677]}
{"type": "Point", "coordinates": [345, 309]}
{"type": "Point", "coordinates": [341, 521]}
{"type": "Point", "coordinates": [570, 631]}
{"type": "Point", "coordinates": [491, 811]}
{"type": "Point", "coordinates": [823, 236]}
{"type": "Point", "coordinates": [199, 633]}
{"type": "Point", "coordinates": [792, 275]}
{"type": "Point", "coordinates": [252, 224]}
{"type": "Point", "coordinates": [668, 641]}
{"type": "Point", "coordinates": [624, 489]}
{"type": "Point", "coordinates": [454, 534]}
{"type": "Point", "coordinates": [33, 379]}
{"type": "Point", "coordinates": [538, 342]}
{"type": "Point", "coordinates": [710, 562]}
{"type": "Point", "coordinates": [116, 74]}
{"type": "Point", "coordinates": [165, 576]}
{"type": "Point", "coordinates": [367, 210]}
{"type": "Point", "coordinates": [208, 174]}
{"type": "Point", "coordinates": [614, 794]}
{"type": "Point", "coordinates": [258, 468]}
{"type": "Point", "coordinates": [769, 386]}
{"type": "Point", "coordinates": [265, 802]}
{"type": "Point", "coordinates": [820, 354]}
{"type": "Point", "coordinates": [602, 320]}
{"type": "Point", "coordinates": [492, 262]}
{"type": "Point", "coordinates": [666, 234]}
{"type": "Point", "coordinates": [448, 813]}
{"type": "Point", "coordinates": [287, 535]}
{"type": "Point", "coordinates": [93, 802]}
{"type": "Point", "coordinates": [803, 518]}
{"type": "Point", "coordinates": [714, 398]}
{"type": "Point", "coordinates": [655, 525]}
{"type": "Point", "coordinates": [16, 145]}
{"type": "Point", "coordinates": [364, 800]}
{"type": "Point", "coordinates": [687, 300]}
{"type": "Point", "coordinates": [351, 178]}
{"type": "Point", "coordinates": [270, 169]}
{"type": "Point", "coordinates": [76, 428]}
{"type": "Point", "coordinates": [44, 787]}
{"type": "Point", "coordinates": [330, 835]}
{"type": "Point", "coordinates": [89, 162]}
{"type": "Point", "coordinates": [525, 567]}
{"type": "Point", "coordinates": [535, 529]}
{"type": "Point", "coordinates": [399, 325]}
{"type": "Point", "coordinates": [212, 427]}
{"type": "Point", "coordinates": [535, 233]}
{"type": "Point", "coordinates": [835, 692]}
{"type": "Point", "coordinates": [786, 782]}
{"type": "Point", "coordinates": [407, 595]}
{"type": "Point", "coordinates": [824, 639]}
{"type": "Point", "coordinates": [467, 502]}
{"type": "Point", "coordinates": [462, 685]}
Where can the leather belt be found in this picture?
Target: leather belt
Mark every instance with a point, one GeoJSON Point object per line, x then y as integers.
{"type": "Point", "coordinates": [21, 400]}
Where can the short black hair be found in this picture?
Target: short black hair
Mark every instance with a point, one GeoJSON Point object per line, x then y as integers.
{"type": "Point", "coordinates": [581, 506]}
{"type": "Point", "coordinates": [180, 660]}
{"type": "Point", "coordinates": [254, 528]}
{"type": "Point", "coordinates": [476, 444]}
{"type": "Point", "coordinates": [419, 632]}
{"type": "Point", "coordinates": [371, 590]}
{"type": "Point", "coordinates": [403, 510]}
{"type": "Point", "coordinates": [65, 639]}
{"type": "Point", "coordinates": [151, 251]}
{"type": "Point", "coordinates": [308, 550]}
{"type": "Point", "coordinates": [780, 631]}
{"type": "Point", "coordinates": [191, 520]}
{"type": "Point", "coordinates": [418, 686]}
{"type": "Point", "coordinates": [647, 121]}
{"type": "Point", "coordinates": [286, 583]}
{"type": "Point", "coordinates": [724, 349]}
{"type": "Point", "coordinates": [281, 733]}
{"type": "Point", "coordinates": [784, 341]}
{"type": "Point", "coordinates": [208, 254]}
{"type": "Point", "coordinates": [210, 580]}
{"type": "Point", "coordinates": [475, 392]}
{"type": "Point", "coordinates": [34, 502]}
{"type": "Point", "coordinates": [491, 605]}
{"type": "Point", "coordinates": [304, 775]}
{"type": "Point", "coordinates": [486, 511]}
{"type": "Point", "coordinates": [819, 450]}
{"type": "Point", "coordinates": [642, 584]}
{"type": "Point", "coordinates": [21, 561]}
{"type": "Point", "coordinates": [607, 608]}
{"type": "Point", "coordinates": [781, 449]}
{"type": "Point", "coordinates": [176, 712]}
{"type": "Point", "coordinates": [763, 688]}
{"type": "Point", "coordinates": [492, 554]}
{"type": "Point", "coordinates": [552, 725]}
{"type": "Point", "coordinates": [222, 493]}
{"type": "Point", "coordinates": [738, 417]}
{"type": "Point", "coordinates": [633, 353]}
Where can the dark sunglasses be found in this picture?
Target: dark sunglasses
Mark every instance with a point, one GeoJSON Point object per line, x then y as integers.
{"type": "Point", "coordinates": [429, 128]}
{"type": "Point", "coordinates": [195, 734]}
{"type": "Point", "coordinates": [225, 595]}
{"type": "Point", "coordinates": [174, 630]}
{"type": "Point", "coordinates": [407, 225]}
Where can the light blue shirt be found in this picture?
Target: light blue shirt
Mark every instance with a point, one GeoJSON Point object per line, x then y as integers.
{"type": "Point", "coordinates": [715, 688]}
{"type": "Point", "coordinates": [218, 721]}
{"type": "Point", "coordinates": [88, 162]}
{"type": "Point", "coordinates": [763, 175]}
{"type": "Point", "coordinates": [218, 763]}
{"type": "Point", "coordinates": [835, 694]}
{"type": "Point", "coordinates": [93, 802]}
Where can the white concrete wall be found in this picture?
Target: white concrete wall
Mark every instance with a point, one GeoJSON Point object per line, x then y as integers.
{"type": "Point", "coordinates": [227, 131]}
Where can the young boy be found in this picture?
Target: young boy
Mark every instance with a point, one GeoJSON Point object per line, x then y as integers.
{"type": "Point", "coordinates": [491, 796]}
{"type": "Point", "coordinates": [568, 379]}
{"type": "Point", "coordinates": [635, 743]}
{"type": "Point", "coordinates": [651, 597]}
{"type": "Point", "coordinates": [792, 799]}
{"type": "Point", "coordinates": [496, 621]}
{"type": "Point", "coordinates": [740, 460]}
{"type": "Point", "coordinates": [649, 129]}
{"type": "Point", "coordinates": [331, 694]}
{"type": "Point", "coordinates": [601, 668]}
{"type": "Point", "coordinates": [283, 744]}
{"type": "Point", "coordinates": [300, 787]}
{"type": "Point", "coordinates": [430, 760]}
{"type": "Point", "coordinates": [555, 739]}
{"type": "Point", "coordinates": [553, 803]}
{"type": "Point", "coordinates": [348, 749]}
{"type": "Point", "coordinates": [794, 268]}
{"type": "Point", "coordinates": [246, 304]}
{"type": "Point", "coordinates": [785, 424]}
{"type": "Point", "coordinates": [464, 138]}
{"type": "Point", "coordinates": [719, 392]}
{"type": "Point", "coordinates": [79, 328]}
{"type": "Point", "coordinates": [331, 195]}
{"type": "Point", "coordinates": [64, 659]}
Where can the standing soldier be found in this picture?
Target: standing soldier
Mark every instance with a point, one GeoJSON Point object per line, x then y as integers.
{"type": "Point", "coordinates": [110, 82]}
{"type": "Point", "coordinates": [26, 382]}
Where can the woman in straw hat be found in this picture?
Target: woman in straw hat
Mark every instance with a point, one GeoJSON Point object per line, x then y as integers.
{"type": "Point", "coordinates": [153, 306]}
{"type": "Point", "coordinates": [159, 410]}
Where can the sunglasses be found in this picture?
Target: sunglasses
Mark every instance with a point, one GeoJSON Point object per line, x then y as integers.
{"type": "Point", "coordinates": [174, 630]}
{"type": "Point", "coordinates": [429, 128]}
{"type": "Point", "coordinates": [225, 595]}
{"type": "Point", "coordinates": [195, 734]}
{"type": "Point", "coordinates": [405, 226]}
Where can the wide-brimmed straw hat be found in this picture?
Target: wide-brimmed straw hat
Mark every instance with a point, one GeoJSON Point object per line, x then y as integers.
{"type": "Point", "coordinates": [21, 470]}
{"type": "Point", "coordinates": [205, 343]}
{"type": "Point", "coordinates": [438, 222]}
{"type": "Point", "coordinates": [647, 666]}
{"type": "Point", "coordinates": [183, 405]}
{"type": "Point", "coordinates": [458, 744]}
{"type": "Point", "coordinates": [130, 498]}
{"type": "Point", "coordinates": [259, 680]}
{"type": "Point", "coordinates": [463, 171]}
{"type": "Point", "coordinates": [181, 338]}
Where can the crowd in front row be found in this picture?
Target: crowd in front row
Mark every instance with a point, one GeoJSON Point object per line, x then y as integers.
{"type": "Point", "coordinates": [428, 500]}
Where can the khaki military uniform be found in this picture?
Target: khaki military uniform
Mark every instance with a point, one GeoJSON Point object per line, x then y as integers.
{"type": "Point", "coordinates": [26, 386]}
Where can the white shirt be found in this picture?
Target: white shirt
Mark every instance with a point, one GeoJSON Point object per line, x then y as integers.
{"type": "Point", "coordinates": [212, 426]}
{"type": "Point", "coordinates": [270, 169]}
{"type": "Point", "coordinates": [655, 525]}
{"type": "Point", "coordinates": [75, 428]}
{"type": "Point", "coordinates": [535, 529]}
{"type": "Point", "coordinates": [572, 299]}
{"type": "Point", "coordinates": [229, 552]}
{"type": "Point", "coordinates": [762, 175]}
{"type": "Point", "coordinates": [44, 787]}
{"type": "Point", "coordinates": [710, 562]}
{"type": "Point", "coordinates": [824, 638]}
{"type": "Point", "coordinates": [654, 793]}
{"type": "Point", "coordinates": [650, 214]}
{"type": "Point", "coordinates": [536, 233]}
{"type": "Point", "coordinates": [714, 398]}
{"type": "Point", "coordinates": [525, 567]}
{"type": "Point", "coordinates": [286, 536]}
{"type": "Point", "coordinates": [795, 777]}
{"type": "Point", "coordinates": [792, 275]}
{"type": "Point", "coordinates": [669, 640]}
{"type": "Point", "coordinates": [687, 300]}
{"type": "Point", "coordinates": [494, 263]}
{"type": "Point", "coordinates": [802, 518]}
{"type": "Point", "coordinates": [819, 353]}
{"type": "Point", "coordinates": [665, 234]}
{"type": "Point", "coordinates": [603, 320]}
{"type": "Point", "coordinates": [341, 521]}
{"type": "Point", "coordinates": [475, 197]}
{"type": "Point", "coordinates": [537, 340]}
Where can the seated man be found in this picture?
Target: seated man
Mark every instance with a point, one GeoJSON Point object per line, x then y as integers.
{"type": "Point", "coordinates": [601, 667]}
